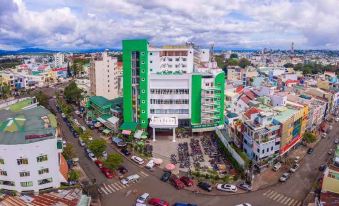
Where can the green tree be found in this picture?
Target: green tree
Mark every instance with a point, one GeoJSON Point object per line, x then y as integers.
{"type": "Point", "coordinates": [243, 62]}
{"type": "Point", "coordinates": [232, 62]}
{"type": "Point", "coordinates": [42, 98]}
{"type": "Point", "coordinates": [97, 146]}
{"type": "Point", "coordinates": [5, 90]}
{"type": "Point", "coordinates": [73, 93]}
{"type": "Point", "coordinates": [85, 136]}
{"type": "Point", "coordinates": [309, 137]}
{"type": "Point", "coordinates": [73, 175]}
{"type": "Point", "coordinates": [234, 56]}
{"type": "Point", "coordinates": [220, 61]}
{"type": "Point", "coordinates": [289, 65]}
{"type": "Point", "coordinates": [113, 161]}
{"type": "Point", "coordinates": [68, 152]}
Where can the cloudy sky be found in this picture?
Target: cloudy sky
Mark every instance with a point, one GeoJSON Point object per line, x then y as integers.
{"type": "Point", "coordinates": [83, 24]}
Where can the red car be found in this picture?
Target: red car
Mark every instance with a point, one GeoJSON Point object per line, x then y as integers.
{"type": "Point", "coordinates": [98, 163]}
{"type": "Point", "coordinates": [187, 181]}
{"type": "Point", "coordinates": [157, 202]}
{"type": "Point", "coordinates": [107, 172]}
{"type": "Point", "coordinates": [176, 182]}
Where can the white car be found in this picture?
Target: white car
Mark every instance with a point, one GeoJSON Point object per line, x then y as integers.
{"type": "Point", "coordinates": [336, 141]}
{"type": "Point", "coordinates": [137, 160]}
{"type": "Point", "coordinates": [294, 168]}
{"type": "Point", "coordinates": [104, 154]}
{"type": "Point", "coordinates": [82, 143]}
{"type": "Point", "coordinates": [132, 178]}
{"type": "Point", "coordinates": [323, 135]}
{"type": "Point", "coordinates": [150, 164]}
{"type": "Point", "coordinates": [284, 177]}
{"type": "Point", "coordinates": [92, 156]}
{"type": "Point", "coordinates": [227, 187]}
{"type": "Point", "coordinates": [142, 198]}
{"type": "Point", "coordinates": [337, 119]}
{"type": "Point", "coordinates": [63, 115]}
{"type": "Point", "coordinates": [244, 204]}
{"type": "Point", "coordinates": [296, 159]}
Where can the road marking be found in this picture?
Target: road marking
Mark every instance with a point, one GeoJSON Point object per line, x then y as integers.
{"type": "Point", "coordinates": [110, 186]}
{"type": "Point", "coordinates": [107, 188]}
{"type": "Point", "coordinates": [269, 193]}
{"type": "Point", "coordinates": [283, 201]}
{"type": "Point", "coordinates": [280, 198]}
{"type": "Point", "coordinates": [292, 202]}
{"type": "Point", "coordinates": [144, 173]}
{"type": "Point", "coordinates": [116, 184]}
{"type": "Point", "coordinates": [115, 187]}
{"type": "Point", "coordinates": [272, 195]}
{"type": "Point", "coordinates": [102, 189]}
{"type": "Point", "coordinates": [277, 196]}
{"type": "Point", "coordinates": [298, 203]}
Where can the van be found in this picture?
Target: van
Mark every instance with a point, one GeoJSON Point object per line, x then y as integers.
{"type": "Point", "coordinates": [150, 164]}
{"type": "Point", "coordinates": [277, 166]}
{"type": "Point", "coordinates": [129, 179]}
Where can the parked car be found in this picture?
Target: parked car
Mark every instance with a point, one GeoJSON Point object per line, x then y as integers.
{"type": "Point", "coordinates": [245, 186]}
{"type": "Point", "coordinates": [187, 181]}
{"type": "Point", "coordinates": [63, 115]}
{"type": "Point", "coordinates": [98, 163]}
{"type": "Point", "coordinates": [284, 177]}
{"type": "Point", "coordinates": [323, 135]}
{"type": "Point", "coordinates": [277, 166]}
{"type": "Point", "coordinates": [176, 182]}
{"type": "Point", "coordinates": [205, 186]}
{"type": "Point", "coordinates": [77, 112]}
{"type": "Point", "coordinates": [104, 154]}
{"type": "Point", "coordinates": [244, 204]}
{"type": "Point", "coordinates": [158, 202]}
{"type": "Point", "coordinates": [296, 159]}
{"type": "Point", "coordinates": [82, 143]}
{"type": "Point", "coordinates": [310, 151]}
{"type": "Point", "coordinates": [137, 160]}
{"type": "Point", "coordinates": [92, 156]}
{"type": "Point", "coordinates": [150, 164]}
{"type": "Point", "coordinates": [227, 187]}
{"type": "Point", "coordinates": [119, 142]}
{"type": "Point", "coordinates": [322, 167]}
{"type": "Point", "coordinates": [132, 178]}
{"type": "Point", "coordinates": [337, 119]}
{"type": "Point", "coordinates": [125, 152]}
{"type": "Point", "coordinates": [294, 168]}
{"type": "Point", "coordinates": [184, 204]}
{"type": "Point", "coordinates": [107, 172]}
{"type": "Point", "coordinates": [142, 198]}
{"type": "Point", "coordinates": [122, 170]}
{"type": "Point", "coordinates": [336, 141]}
{"type": "Point", "coordinates": [165, 177]}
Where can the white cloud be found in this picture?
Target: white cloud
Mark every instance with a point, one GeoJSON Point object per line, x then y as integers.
{"type": "Point", "coordinates": [230, 23]}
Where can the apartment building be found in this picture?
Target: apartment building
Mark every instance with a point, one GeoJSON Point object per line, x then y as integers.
{"type": "Point", "coordinates": [172, 86]}
{"type": "Point", "coordinates": [30, 152]}
{"type": "Point", "coordinates": [59, 59]}
{"type": "Point", "coordinates": [105, 77]}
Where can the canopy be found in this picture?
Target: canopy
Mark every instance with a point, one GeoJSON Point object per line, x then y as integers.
{"type": "Point", "coordinates": [126, 132]}
{"type": "Point", "coordinates": [170, 166]}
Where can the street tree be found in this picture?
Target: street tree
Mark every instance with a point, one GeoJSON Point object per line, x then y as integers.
{"type": "Point", "coordinates": [73, 175]}
{"type": "Point", "coordinates": [97, 146]}
{"type": "Point", "coordinates": [113, 161]}
{"type": "Point", "coordinates": [68, 152]}
{"type": "Point", "coordinates": [309, 137]}
{"type": "Point", "coordinates": [85, 136]}
{"type": "Point", "coordinates": [232, 62]}
{"type": "Point", "coordinates": [73, 93]}
{"type": "Point", "coordinates": [243, 62]}
{"type": "Point", "coordinates": [42, 98]}
{"type": "Point", "coordinates": [234, 56]}
{"type": "Point", "coordinates": [5, 90]}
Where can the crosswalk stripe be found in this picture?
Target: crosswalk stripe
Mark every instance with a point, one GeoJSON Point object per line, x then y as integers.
{"type": "Point", "coordinates": [111, 188]}
{"type": "Point", "coordinates": [276, 197]}
{"type": "Point", "coordinates": [123, 186]}
{"type": "Point", "coordinates": [298, 203]}
{"type": "Point", "coordinates": [117, 185]}
{"type": "Point", "coordinates": [287, 200]}
{"type": "Point", "coordinates": [104, 190]}
{"type": "Point", "coordinates": [272, 195]}
{"type": "Point", "coordinates": [268, 191]}
{"type": "Point", "coordinates": [292, 202]}
{"type": "Point", "coordinates": [280, 198]}
{"type": "Point", "coordinates": [283, 200]}
{"type": "Point", "coordinates": [144, 173]}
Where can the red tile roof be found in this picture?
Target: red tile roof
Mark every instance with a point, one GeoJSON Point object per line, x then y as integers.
{"type": "Point", "coordinates": [289, 81]}
{"type": "Point", "coordinates": [59, 69]}
{"type": "Point", "coordinates": [251, 111]}
{"type": "Point", "coordinates": [63, 167]}
{"type": "Point", "coordinates": [250, 95]}
{"type": "Point", "coordinates": [239, 89]}
{"type": "Point", "coordinates": [245, 99]}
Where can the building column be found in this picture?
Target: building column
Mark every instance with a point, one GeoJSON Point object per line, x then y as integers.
{"type": "Point", "coordinates": [173, 135]}
{"type": "Point", "coordinates": [153, 134]}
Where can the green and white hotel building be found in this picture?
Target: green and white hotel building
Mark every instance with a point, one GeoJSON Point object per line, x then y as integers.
{"type": "Point", "coordinates": [170, 87]}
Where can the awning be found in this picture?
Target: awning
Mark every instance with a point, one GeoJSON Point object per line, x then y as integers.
{"type": "Point", "coordinates": [101, 120]}
{"type": "Point", "coordinates": [126, 132]}
{"type": "Point", "coordinates": [132, 126]}
{"type": "Point", "coordinates": [106, 131]}
{"type": "Point", "coordinates": [138, 134]}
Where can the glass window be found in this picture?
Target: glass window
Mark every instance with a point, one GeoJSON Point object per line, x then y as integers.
{"type": "Point", "coordinates": [26, 184]}
{"type": "Point", "coordinates": [2, 161]}
{"type": "Point", "coordinates": [3, 173]}
{"type": "Point", "coordinates": [24, 174]}
{"type": "Point", "coordinates": [45, 181]}
{"type": "Point", "coordinates": [42, 158]}
{"type": "Point", "coordinates": [8, 183]}
{"type": "Point", "coordinates": [23, 161]}
{"type": "Point", "coordinates": [43, 171]}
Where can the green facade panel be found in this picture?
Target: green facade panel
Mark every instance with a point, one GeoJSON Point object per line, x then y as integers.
{"type": "Point", "coordinates": [141, 46]}
{"type": "Point", "coordinates": [196, 99]}
{"type": "Point", "coordinates": [219, 82]}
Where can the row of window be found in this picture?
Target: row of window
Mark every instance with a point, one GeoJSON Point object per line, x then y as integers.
{"type": "Point", "coordinates": [24, 161]}
{"type": "Point", "coordinates": [169, 101]}
{"type": "Point", "coordinates": [26, 184]}
{"type": "Point", "coordinates": [26, 173]}
{"type": "Point", "coordinates": [169, 91]}
{"type": "Point", "coordinates": [169, 111]}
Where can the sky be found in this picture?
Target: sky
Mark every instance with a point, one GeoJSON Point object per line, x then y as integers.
{"type": "Point", "coordinates": [247, 24]}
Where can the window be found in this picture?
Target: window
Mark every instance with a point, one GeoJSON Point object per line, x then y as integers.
{"type": "Point", "coordinates": [43, 171]}
{"type": "Point", "coordinates": [24, 174]}
{"type": "Point", "coordinates": [143, 111]}
{"type": "Point", "coordinates": [3, 173]}
{"type": "Point", "coordinates": [143, 101]}
{"type": "Point", "coordinates": [23, 161]}
{"type": "Point", "coordinates": [26, 184]}
{"type": "Point", "coordinates": [45, 181]}
{"type": "Point", "coordinates": [142, 53]}
{"type": "Point", "coordinates": [8, 183]}
{"type": "Point", "coordinates": [142, 71]}
{"type": "Point", "coordinates": [143, 121]}
{"type": "Point", "coordinates": [2, 161]}
{"type": "Point", "coordinates": [42, 158]}
{"type": "Point", "coordinates": [142, 79]}
{"type": "Point", "coordinates": [151, 61]}
{"type": "Point", "coordinates": [142, 62]}
{"type": "Point", "coordinates": [150, 53]}
{"type": "Point", "coordinates": [143, 91]}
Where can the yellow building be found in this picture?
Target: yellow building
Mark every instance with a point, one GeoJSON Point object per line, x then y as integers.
{"type": "Point", "coordinates": [331, 176]}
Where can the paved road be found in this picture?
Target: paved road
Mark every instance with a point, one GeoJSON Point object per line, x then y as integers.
{"type": "Point", "coordinates": [290, 193]}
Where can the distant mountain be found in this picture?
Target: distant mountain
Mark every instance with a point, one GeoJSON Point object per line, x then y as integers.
{"type": "Point", "coordinates": [25, 51]}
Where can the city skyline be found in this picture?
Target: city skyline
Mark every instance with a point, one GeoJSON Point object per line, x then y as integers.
{"type": "Point", "coordinates": [246, 24]}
